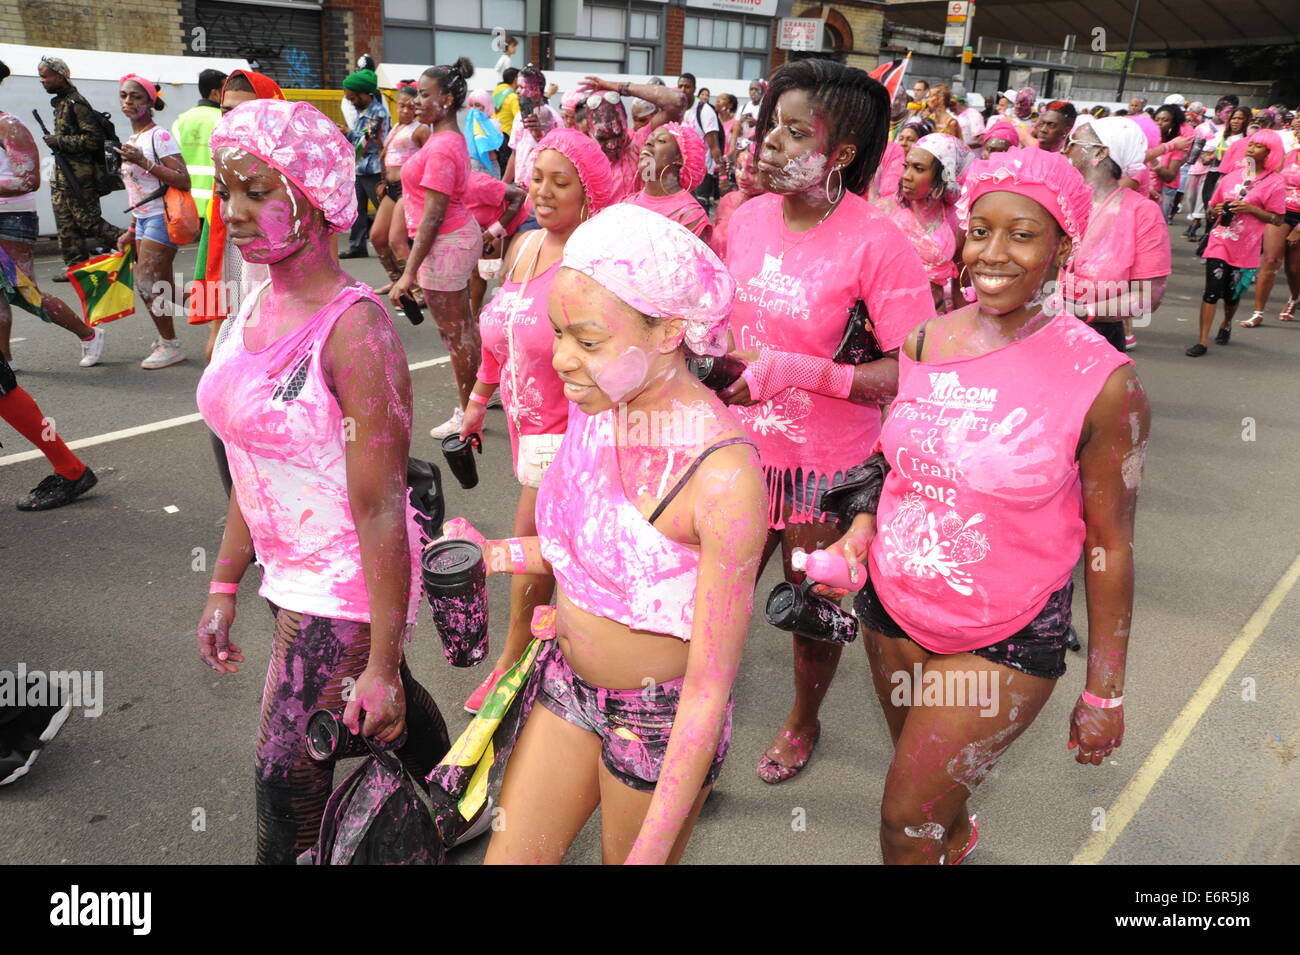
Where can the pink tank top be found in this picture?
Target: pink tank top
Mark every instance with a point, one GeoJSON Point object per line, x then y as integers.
{"type": "Point", "coordinates": [936, 244]}
{"type": "Point", "coordinates": [400, 145]}
{"type": "Point", "coordinates": [517, 345]}
{"type": "Point", "coordinates": [607, 557]}
{"type": "Point", "coordinates": [981, 517]}
{"type": "Point", "coordinates": [285, 440]}
{"type": "Point", "coordinates": [1291, 176]}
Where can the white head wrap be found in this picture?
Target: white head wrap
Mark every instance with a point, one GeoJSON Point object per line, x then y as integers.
{"type": "Point", "coordinates": [1123, 137]}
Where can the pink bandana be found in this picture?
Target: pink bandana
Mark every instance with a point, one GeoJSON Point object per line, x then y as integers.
{"type": "Point", "coordinates": [1002, 130]}
{"type": "Point", "coordinates": [659, 268]}
{"type": "Point", "coordinates": [150, 90]}
{"type": "Point", "coordinates": [301, 144]}
{"type": "Point", "coordinates": [1048, 178]}
{"type": "Point", "coordinates": [691, 147]}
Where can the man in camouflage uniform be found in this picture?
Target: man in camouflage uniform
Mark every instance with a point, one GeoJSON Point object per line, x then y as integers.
{"type": "Point", "coordinates": [83, 231]}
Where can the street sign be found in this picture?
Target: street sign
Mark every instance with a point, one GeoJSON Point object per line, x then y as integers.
{"type": "Point", "coordinates": [958, 10]}
{"type": "Point", "coordinates": [799, 35]}
{"type": "Point", "coordinates": [954, 34]}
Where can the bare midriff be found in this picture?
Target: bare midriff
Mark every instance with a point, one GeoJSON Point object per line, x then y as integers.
{"type": "Point", "coordinates": [612, 655]}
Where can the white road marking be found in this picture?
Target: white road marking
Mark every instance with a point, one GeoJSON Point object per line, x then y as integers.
{"type": "Point", "coordinates": [153, 426]}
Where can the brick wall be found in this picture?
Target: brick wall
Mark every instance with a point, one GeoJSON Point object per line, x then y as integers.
{"type": "Point", "coordinates": [673, 41]}
{"type": "Point", "coordinates": [140, 26]}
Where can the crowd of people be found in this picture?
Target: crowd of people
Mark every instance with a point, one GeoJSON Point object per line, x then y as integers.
{"type": "Point", "coordinates": [926, 305]}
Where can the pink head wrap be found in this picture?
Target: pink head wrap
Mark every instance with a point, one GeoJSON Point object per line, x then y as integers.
{"type": "Point", "coordinates": [1002, 130]}
{"type": "Point", "coordinates": [1048, 178]}
{"type": "Point", "coordinates": [1276, 151]}
{"type": "Point", "coordinates": [1148, 126]}
{"type": "Point", "coordinates": [572, 100]}
{"type": "Point", "coordinates": [480, 99]}
{"type": "Point", "coordinates": [659, 268]}
{"type": "Point", "coordinates": [300, 143]}
{"type": "Point", "coordinates": [150, 90]}
{"type": "Point", "coordinates": [691, 147]}
{"type": "Point", "coordinates": [588, 158]}
{"type": "Point", "coordinates": [953, 157]}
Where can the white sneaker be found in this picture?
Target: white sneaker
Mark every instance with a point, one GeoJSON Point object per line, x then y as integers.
{"type": "Point", "coordinates": [448, 427]}
{"type": "Point", "coordinates": [164, 353]}
{"type": "Point", "coordinates": [92, 351]}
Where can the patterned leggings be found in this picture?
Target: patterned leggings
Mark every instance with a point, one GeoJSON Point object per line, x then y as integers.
{"type": "Point", "coordinates": [310, 660]}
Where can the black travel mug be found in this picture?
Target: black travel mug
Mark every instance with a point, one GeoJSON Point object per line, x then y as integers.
{"type": "Point", "coordinates": [460, 458]}
{"type": "Point", "coordinates": [795, 609]}
{"type": "Point", "coordinates": [455, 584]}
{"type": "Point", "coordinates": [411, 309]}
{"type": "Point", "coordinates": [716, 373]}
{"type": "Point", "coordinates": [328, 739]}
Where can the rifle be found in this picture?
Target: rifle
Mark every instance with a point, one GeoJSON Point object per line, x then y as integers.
{"type": "Point", "coordinates": [61, 161]}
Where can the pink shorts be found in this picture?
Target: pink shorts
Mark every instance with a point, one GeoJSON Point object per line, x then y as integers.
{"type": "Point", "coordinates": [452, 259]}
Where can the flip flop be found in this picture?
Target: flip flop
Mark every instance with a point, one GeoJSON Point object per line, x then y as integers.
{"type": "Point", "coordinates": [772, 772]}
{"type": "Point", "coordinates": [970, 846]}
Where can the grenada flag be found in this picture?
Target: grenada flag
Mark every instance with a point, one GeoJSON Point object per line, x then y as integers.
{"type": "Point", "coordinates": [104, 286]}
{"type": "Point", "coordinates": [18, 288]}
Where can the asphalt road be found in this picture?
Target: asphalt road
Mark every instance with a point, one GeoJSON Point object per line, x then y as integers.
{"type": "Point", "coordinates": [108, 585]}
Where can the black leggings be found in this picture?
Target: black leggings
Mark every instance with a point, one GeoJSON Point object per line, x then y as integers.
{"type": "Point", "coordinates": [314, 660]}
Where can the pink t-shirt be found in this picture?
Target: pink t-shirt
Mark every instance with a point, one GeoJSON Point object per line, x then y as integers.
{"type": "Point", "coordinates": [531, 392]}
{"type": "Point", "coordinates": [1240, 241]}
{"type": "Point", "coordinates": [795, 291]}
{"type": "Point", "coordinates": [727, 205]}
{"type": "Point", "coordinates": [442, 164]}
{"type": "Point", "coordinates": [681, 207]}
{"type": "Point", "coordinates": [1126, 240]}
{"type": "Point", "coordinates": [485, 197]}
{"type": "Point", "coordinates": [1291, 176]}
{"type": "Point", "coordinates": [525, 145]}
{"type": "Point", "coordinates": [627, 178]}
{"type": "Point", "coordinates": [884, 184]}
{"type": "Point", "coordinates": [981, 517]}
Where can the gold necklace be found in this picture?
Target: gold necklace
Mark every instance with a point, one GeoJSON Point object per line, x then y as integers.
{"type": "Point", "coordinates": [804, 235]}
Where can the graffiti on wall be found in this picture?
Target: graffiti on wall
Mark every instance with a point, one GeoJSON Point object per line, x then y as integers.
{"type": "Point", "coordinates": [284, 43]}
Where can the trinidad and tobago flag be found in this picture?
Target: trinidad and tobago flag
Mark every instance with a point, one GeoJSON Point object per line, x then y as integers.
{"type": "Point", "coordinates": [891, 74]}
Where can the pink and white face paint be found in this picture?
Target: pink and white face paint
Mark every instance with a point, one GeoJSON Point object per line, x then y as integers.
{"type": "Point", "coordinates": [263, 211]}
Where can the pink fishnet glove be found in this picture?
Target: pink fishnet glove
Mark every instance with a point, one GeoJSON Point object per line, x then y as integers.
{"type": "Point", "coordinates": [775, 371]}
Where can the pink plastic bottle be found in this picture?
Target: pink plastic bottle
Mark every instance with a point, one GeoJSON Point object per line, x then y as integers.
{"type": "Point", "coordinates": [827, 568]}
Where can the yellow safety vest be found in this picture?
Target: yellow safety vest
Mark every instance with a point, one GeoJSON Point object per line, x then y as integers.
{"type": "Point", "coordinates": [192, 131]}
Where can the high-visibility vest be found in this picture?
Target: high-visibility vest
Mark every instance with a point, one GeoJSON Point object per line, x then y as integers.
{"type": "Point", "coordinates": [192, 131]}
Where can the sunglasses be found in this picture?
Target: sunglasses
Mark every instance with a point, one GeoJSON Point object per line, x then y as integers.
{"type": "Point", "coordinates": [1072, 141]}
{"type": "Point", "coordinates": [595, 99]}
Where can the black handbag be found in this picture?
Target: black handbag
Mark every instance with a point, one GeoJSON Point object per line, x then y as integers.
{"type": "Point", "coordinates": [859, 344]}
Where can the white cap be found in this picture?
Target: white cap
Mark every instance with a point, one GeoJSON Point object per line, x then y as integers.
{"type": "Point", "coordinates": [1175, 99]}
{"type": "Point", "coordinates": [975, 100]}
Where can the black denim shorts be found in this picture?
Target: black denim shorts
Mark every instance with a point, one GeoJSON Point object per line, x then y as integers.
{"type": "Point", "coordinates": [1037, 649]}
{"type": "Point", "coordinates": [19, 226]}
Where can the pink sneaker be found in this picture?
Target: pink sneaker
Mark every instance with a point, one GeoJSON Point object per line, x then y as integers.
{"type": "Point", "coordinates": [476, 698]}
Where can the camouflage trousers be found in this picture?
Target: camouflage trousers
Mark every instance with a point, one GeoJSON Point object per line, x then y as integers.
{"type": "Point", "coordinates": [83, 231]}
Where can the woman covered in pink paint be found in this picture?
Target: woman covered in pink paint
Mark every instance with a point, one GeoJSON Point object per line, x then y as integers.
{"type": "Point", "coordinates": [151, 163]}
{"type": "Point", "coordinates": [308, 390]}
{"type": "Point", "coordinates": [1000, 136]}
{"type": "Point", "coordinates": [814, 252]}
{"type": "Point", "coordinates": [672, 164]}
{"type": "Point", "coordinates": [1015, 441]}
{"type": "Point", "coordinates": [651, 519]}
{"type": "Point", "coordinates": [922, 208]}
{"type": "Point", "coordinates": [570, 182]}
{"type": "Point", "coordinates": [388, 234]}
{"type": "Point", "coordinates": [1121, 263]}
{"type": "Point", "coordinates": [1249, 197]}
{"type": "Point", "coordinates": [747, 188]}
{"type": "Point", "coordinates": [446, 241]}
{"type": "Point", "coordinates": [605, 121]}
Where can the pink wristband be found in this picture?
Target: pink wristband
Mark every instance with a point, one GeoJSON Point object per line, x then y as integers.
{"type": "Point", "coordinates": [517, 555]}
{"type": "Point", "coordinates": [218, 587]}
{"type": "Point", "coordinates": [478, 399]}
{"type": "Point", "coordinates": [497, 230]}
{"type": "Point", "coordinates": [1100, 702]}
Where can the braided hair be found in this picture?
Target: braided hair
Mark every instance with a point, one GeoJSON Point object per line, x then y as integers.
{"type": "Point", "coordinates": [453, 80]}
{"type": "Point", "coordinates": [855, 107]}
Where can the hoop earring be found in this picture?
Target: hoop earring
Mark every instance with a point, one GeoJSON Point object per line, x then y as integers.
{"type": "Point", "coordinates": [967, 291]}
{"type": "Point", "coordinates": [586, 210]}
{"type": "Point", "coordinates": [660, 177]}
{"type": "Point", "coordinates": [839, 182]}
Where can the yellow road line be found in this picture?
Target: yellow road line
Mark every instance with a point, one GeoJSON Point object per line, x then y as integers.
{"type": "Point", "coordinates": [1125, 807]}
